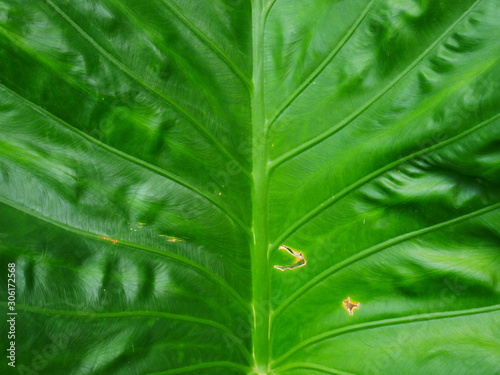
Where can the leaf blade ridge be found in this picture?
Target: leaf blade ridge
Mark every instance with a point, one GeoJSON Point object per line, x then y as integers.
{"type": "Point", "coordinates": [348, 120]}
{"type": "Point", "coordinates": [202, 128]}
{"type": "Point", "coordinates": [389, 322]}
{"type": "Point", "coordinates": [299, 292]}
{"type": "Point", "coordinates": [215, 278]}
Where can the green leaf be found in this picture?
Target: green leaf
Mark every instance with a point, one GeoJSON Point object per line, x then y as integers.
{"type": "Point", "coordinates": [155, 155]}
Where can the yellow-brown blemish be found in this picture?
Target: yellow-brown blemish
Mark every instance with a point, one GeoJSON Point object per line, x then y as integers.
{"type": "Point", "coordinates": [350, 306]}
{"type": "Point", "coordinates": [300, 261]}
{"type": "Point", "coordinates": [108, 239]}
{"type": "Point", "coordinates": [172, 238]}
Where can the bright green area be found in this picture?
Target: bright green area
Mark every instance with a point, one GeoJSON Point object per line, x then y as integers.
{"type": "Point", "coordinates": [155, 154]}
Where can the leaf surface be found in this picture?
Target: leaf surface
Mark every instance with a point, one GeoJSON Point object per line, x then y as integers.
{"type": "Point", "coordinates": [154, 156]}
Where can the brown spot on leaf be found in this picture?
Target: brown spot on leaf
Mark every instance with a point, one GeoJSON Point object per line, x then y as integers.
{"type": "Point", "coordinates": [350, 306]}
{"type": "Point", "coordinates": [300, 261]}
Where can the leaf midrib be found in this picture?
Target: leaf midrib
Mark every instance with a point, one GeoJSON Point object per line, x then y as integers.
{"type": "Point", "coordinates": [260, 185]}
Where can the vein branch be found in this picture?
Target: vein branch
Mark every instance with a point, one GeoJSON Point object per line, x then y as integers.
{"type": "Point", "coordinates": [202, 128]}
{"type": "Point", "coordinates": [153, 168]}
{"type": "Point", "coordinates": [308, 81]}
{"type": "Point", "coordinates": [307, 287]}
{"type": "Point", "coordinates": [312, 366]}
{"type": "Point", "coordinates": [335, 198]}
{"type": "Point", "coordinates": [348, 120]}
{"type": "Point", "coordinates": [386, 323]}
{"type": "Point", "coordinates": [203, 366]}
{"type": "Point", "coordinates": [132, 245]}
{"type": "Point", "coordinates": [189, 24]}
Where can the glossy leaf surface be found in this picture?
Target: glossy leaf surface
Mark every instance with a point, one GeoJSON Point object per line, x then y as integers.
{"type": "Point", "coordinates": [155, 155]}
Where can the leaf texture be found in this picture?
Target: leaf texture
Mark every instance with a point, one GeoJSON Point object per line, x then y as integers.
{"type": "Point", "coordinates": [154, 156]}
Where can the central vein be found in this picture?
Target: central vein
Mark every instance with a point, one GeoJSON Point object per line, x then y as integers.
{"type": "Point", "coordinates": [260, 268]}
